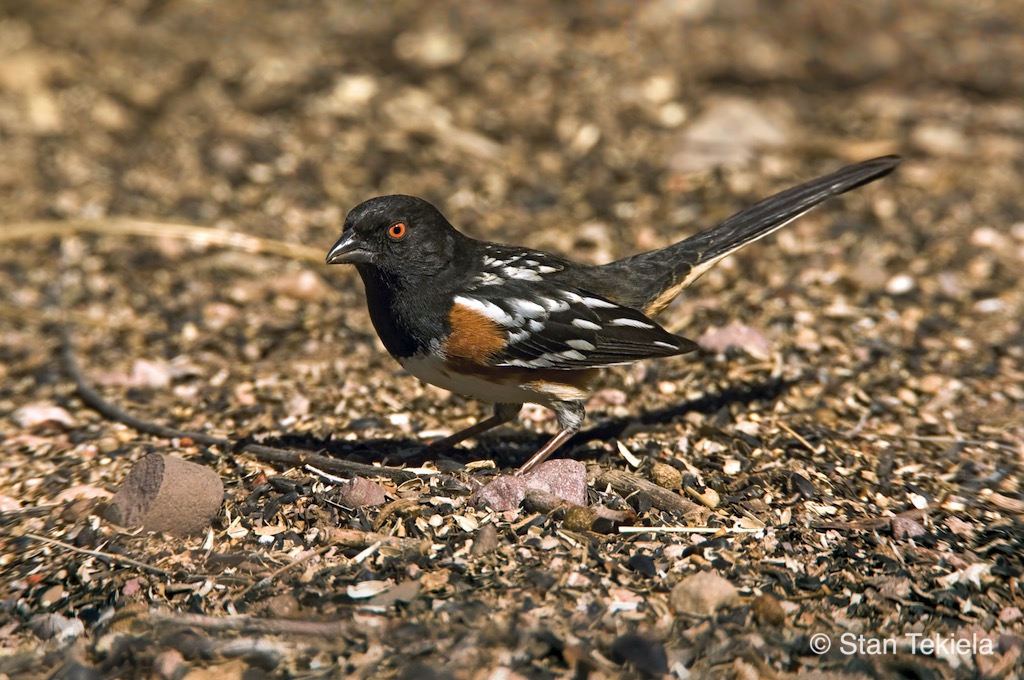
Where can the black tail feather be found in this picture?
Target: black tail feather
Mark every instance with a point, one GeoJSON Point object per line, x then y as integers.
{"type": "Point", "coordinates": [662, 274]}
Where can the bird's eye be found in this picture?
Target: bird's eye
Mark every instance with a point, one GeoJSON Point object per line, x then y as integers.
{"type": "Point", "coordinates": [397, 231]}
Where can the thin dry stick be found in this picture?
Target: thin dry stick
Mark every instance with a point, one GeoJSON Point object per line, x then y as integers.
{"type": "Point", "coordinates": [354, 538]}
{"type": "Point", "coordinates": [800, 438]}
{"type": "Point", "coordinates": [269, 578]}
{"type": "Point", "coordinates": [266, 454]}
{"type": "Point", "coordinates": [94, 400]}
{"type": "Point", "coordinates": [247, 624]}
{"type": "Point", "coordinates": [93, 553]}
{"type": "Point", "coordinates": [689, 530]}
{"type": "Point", "coordinates": [123, 226]}
{"type": "Point", "coordinates": [627, 483]}
{"type": "Point", "coordinates": [41, 316]}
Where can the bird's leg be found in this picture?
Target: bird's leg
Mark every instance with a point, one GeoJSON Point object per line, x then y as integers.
{"type": "Point", "coordinates": [503, 413]}
{"type": "Point", "coordinates": [570, 416]}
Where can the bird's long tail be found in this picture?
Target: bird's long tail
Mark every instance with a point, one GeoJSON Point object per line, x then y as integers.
{"type": "Point", "coordinates": [661, 275]}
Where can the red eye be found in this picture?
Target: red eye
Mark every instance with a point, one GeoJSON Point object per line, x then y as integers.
{"type": "Point", "coordinates": [397, 231]}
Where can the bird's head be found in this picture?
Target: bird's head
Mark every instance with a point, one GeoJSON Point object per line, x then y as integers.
{"type": "Point", "coordinates": [400, 236]}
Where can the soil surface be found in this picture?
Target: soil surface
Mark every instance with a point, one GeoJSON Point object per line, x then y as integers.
{"type": "Point", "coordinates": [844, 452]}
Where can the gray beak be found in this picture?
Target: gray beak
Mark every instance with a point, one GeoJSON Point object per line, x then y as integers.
{"type": "Point", "coordinates": [349, 250]}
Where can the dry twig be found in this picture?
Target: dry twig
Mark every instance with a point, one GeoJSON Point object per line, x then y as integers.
{"type": "Point", "coordinates": [113, 557]}
{"type": "Point", "coordinates": [266, 454]}
{"type": "Point", "coordinates": [627, 483]}
{"type": "Point", "coordinates": [354, 538]}
{"type": "Point", "coordinates": [123, 226]}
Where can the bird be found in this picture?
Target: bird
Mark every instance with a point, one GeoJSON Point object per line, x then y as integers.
{"type": "Point", "coordinates": [511, 325]}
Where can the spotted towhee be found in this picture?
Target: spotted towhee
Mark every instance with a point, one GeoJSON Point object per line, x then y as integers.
{"type": "Point", "coordinates": [510, 325]}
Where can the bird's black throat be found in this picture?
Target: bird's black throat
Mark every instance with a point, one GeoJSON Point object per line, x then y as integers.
{"type": "Point", "coordinates": [405, 322]}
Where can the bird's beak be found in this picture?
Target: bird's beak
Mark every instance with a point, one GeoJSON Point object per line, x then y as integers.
{"type": "Point", "coordinates": [349, 250]}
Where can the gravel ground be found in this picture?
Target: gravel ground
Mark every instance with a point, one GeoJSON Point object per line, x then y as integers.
{"type": "Point", "coordinates": [850, 436]}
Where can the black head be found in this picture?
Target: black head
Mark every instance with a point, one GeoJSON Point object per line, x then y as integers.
{"type": "Point", "coordinates": [401, 236]}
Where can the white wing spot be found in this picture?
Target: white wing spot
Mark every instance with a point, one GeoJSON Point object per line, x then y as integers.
{"type": "Point", "coordinates": [535, 326]}
{"type": "Point", "coordinates": [488, 309]}
{"type": "Point", "coordinates": [521, 273]}
{"type": "Point", "coordinates": [586, 325]}
{"type": "Point", "coordinates": [598, 303]}
{"type": "Point", "coordinates": [545, 269]}
{"type": "Point", "coordinates": [554, 305]}
{"type": "Point", "coordinates": [543, 361]}
{"type": "Point", "coordinates": [489, 279]}
{"type": "Point", "coordinates": [582, 345]}
{"type": "Point", "coordinates": [667, 345]}
{"type": "Point", "coordinates": [635, 323]}
{"type": "Point", "coordinates": [527, 308]}
{"type": "Point", "coordinates": [573, 355]}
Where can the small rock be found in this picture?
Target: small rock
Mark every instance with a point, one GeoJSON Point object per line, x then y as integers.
{"type": "Point", "coordinates": [276, 80]}
{"type": "Point", "coordinates": [561, 477]}
{"type": "Point", "coordinates": [154, 375]}
{"type": "Point", "coordinates": [750, 340]}
{"type": "Point", "coordinates": [435, 581]}
{"type": "Point", "coordinates": [660, 88]}
{"type": "Point", "coordinates": [52, 596]}
{"type": "Point", "coordinates": [901, 284]}
{"type": "Point", "coordinates": [430, 48]}
{"type": "Point", "coordinates": [729, 132]}
{"type": "Point", "coordinates": [485, 540]}
{"type": "Point", "coordinates": [504, 493]}
{"type": "Point", "coordinates": [282, 606]}
{"type": "Point", "coordinates": [42, 416]}
{"type": "Point", "coordinates": [78, 509]}
{"type": "Point", "coordinates": [361, 492]}
{"type": "Point", "coordinates": [350, 95]}
{"type": "Point", "coordinates": [303, 285]}
{"type": "Point", "coordinates": [988, 237]}
{"type": "Point", "coordinates": [664, 475]}
{"type": "Point", "coordinates": [731, 466]}
{"type": "Point", "coordinates": [702, 594]}
{"type": "Point", "coordinates": [1010, 614]}
{"type": "Point", "coordinates": [580, 519]}
{"type": "Point", "coordinates": [169, 665]}
{"type": "Point", "coordinates": [767, 610]}
{"type": "Point", "coordinates": [906, 527]}
{"type": "Point", "coordinates": [167, 494]}
{"type": "Point", "coordinates": [939, 139]}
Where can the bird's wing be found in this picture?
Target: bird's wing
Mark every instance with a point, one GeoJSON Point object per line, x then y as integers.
{"type": "Point", "coordinates": [548, 326]}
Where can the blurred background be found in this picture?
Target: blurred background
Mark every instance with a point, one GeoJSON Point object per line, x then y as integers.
{"type": "Point", "coordinates": [277, 117]}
